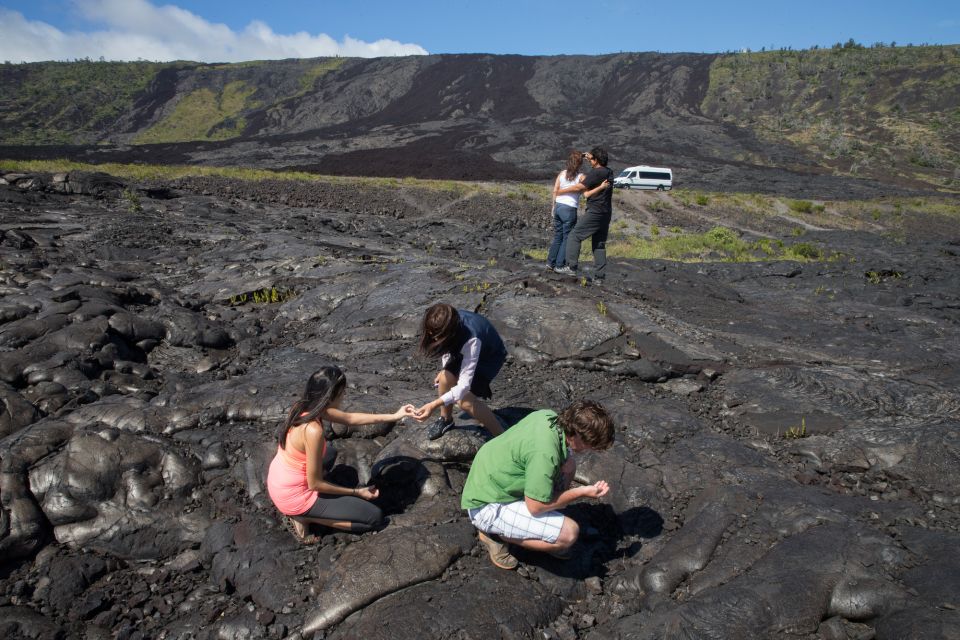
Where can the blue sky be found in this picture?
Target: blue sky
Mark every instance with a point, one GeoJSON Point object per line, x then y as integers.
{"type": "Point", "coordinates": [218, 30]}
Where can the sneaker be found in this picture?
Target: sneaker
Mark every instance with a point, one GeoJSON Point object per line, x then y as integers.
{"type": "Point", "coordinates": [500, 556]}
{"type": "Point", "coordinates": [565, 271]}
{"type": "Point", "coordinates": [439, 427]}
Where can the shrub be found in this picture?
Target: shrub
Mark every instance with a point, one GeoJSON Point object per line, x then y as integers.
{"type": "Point", "coordinates": [132, 198]}
{"type": "Point", "coordinates": [805, 251]}
{"type": "Point", "coordinates": [801, 206]}
{"type": "Point", "coordinates": [702, 200]}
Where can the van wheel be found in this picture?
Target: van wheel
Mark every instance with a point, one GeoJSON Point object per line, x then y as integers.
{"type": "Point", "coordinates": [659, 187]}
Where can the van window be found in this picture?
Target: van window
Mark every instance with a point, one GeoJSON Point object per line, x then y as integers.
{"type": "Point", "coordinates": [655, 175]}
{"type": "Point", "coordinates": [624, 174]}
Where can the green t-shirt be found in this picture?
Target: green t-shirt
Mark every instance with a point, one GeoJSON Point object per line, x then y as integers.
{"type": "Point", "coordinates": [523, 461]}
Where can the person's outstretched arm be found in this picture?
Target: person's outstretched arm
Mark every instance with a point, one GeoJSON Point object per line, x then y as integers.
{"type": "Point", "coordinates": [352, 419]}
{"type": "Point", "coordinates": [596, 490]}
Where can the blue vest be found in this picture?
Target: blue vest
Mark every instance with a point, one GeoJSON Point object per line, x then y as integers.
{"type": "Point", "coordinates": [474, 325]}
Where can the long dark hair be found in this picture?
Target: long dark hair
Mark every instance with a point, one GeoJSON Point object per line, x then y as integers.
{"type": "Point", "coordinates": [322, 388]}
{"type": "Point", "coordinates": [438, 329]}
{"type": "Point", "coordinates": [573, 164]}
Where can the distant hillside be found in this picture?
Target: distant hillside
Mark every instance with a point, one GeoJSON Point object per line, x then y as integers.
{"type": "Point", "coordinates": [848, 120]}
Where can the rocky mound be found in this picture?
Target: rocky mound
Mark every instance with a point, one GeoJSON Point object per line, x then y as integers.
{"type": "Point", "coordinates": [787, 434]}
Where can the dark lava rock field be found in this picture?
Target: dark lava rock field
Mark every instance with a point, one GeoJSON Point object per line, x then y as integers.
{"type": "Point", "coordinates": [788, 434]}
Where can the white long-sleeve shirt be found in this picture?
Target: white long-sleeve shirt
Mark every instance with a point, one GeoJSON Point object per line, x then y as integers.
{"type": "Point", "coordinates": [471, 356]}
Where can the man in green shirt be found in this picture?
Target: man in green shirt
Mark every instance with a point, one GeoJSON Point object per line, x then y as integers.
{"type": "Point", "coordinates": [520, 479]}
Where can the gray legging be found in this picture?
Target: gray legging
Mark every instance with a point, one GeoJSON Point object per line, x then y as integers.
{"type": "Point", "coordinates": [362, 515]}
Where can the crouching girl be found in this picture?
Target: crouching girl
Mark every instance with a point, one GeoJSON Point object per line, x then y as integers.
{"type": "Point", "coordinates": [296, 481]}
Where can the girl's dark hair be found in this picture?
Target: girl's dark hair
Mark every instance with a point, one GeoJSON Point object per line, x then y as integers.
{"type": "Point", "coordinates": [573, 164]}
{"type": "Point", "coordinates": [438, 329]}
{"type": "Point", "coordinates": [322, 388]}
{"type": "Point", "coordinates": [590, 421]}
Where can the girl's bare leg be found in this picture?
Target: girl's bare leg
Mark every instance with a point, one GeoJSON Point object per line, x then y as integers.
{"type": "Point", "coordinates": [447, 381]}
{"type": "Point", "coordinates": [479, 410]}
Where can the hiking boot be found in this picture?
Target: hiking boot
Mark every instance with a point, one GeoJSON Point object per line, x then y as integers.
{"type": "Point", "coordinates": [565, 271]}
{"type": "Point", "coordinates": [439, 427]}
{"type": "Point", "coordinates": [500, 556]}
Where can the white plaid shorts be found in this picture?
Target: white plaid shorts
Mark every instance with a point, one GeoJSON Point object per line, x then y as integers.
{"type": "Point", "coordinates": [513, 520]}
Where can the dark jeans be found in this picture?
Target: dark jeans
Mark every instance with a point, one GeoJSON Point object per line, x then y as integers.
{"type": "Point", "coordinates": [596, 228]}
{"type": "Point", "coordinates": [564, 217]}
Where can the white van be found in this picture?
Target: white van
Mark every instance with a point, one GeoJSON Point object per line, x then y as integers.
{"type": "Point", "coordinates": [644, 177]}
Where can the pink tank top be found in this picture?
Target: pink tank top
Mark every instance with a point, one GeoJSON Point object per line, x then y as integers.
{"type": "Point", "coordinates": [287, 481]}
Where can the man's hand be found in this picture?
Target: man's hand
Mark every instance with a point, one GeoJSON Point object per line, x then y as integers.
{"type": "Point", "coordinates": [596, 490]}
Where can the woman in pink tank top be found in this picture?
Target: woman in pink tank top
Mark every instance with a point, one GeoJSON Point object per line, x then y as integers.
{"type": "Point", "coordinates": [295, 480]}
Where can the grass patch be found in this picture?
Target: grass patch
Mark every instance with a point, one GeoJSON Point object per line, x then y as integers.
{"type": "Point", "coordinates": [165, 173]}
{"type": "Point", "coordinates": [262, 296]}
{"type": "Point", "coordinates": [719, 244]}
{"type": "Point", "coordinates": [203, 115]}
{"type": "Point", "coordinates": [310, 76]}
{"type": "Point", "coordinates": [798, 431]}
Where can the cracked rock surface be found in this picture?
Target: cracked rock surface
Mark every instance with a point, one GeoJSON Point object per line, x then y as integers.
{"type": "Point", "coordinates": [785, 462]}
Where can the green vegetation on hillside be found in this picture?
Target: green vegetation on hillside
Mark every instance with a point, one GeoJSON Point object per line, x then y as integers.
{"type": "Point", "coordinates": [203, 115]}
{"type": "Point", "coordinates": [79, 102]}
{"type": "Point", "coordinates": [322, 68]}
{"type": "Point", "coordinates": [68, 102]}
{"type": "Point", "coordinates": [846, 105]}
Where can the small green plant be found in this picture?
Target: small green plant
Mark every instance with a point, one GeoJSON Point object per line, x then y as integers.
{"type": "Point", "coordinates": [583, 281]}
{"type": "Point", "coordinates": [798, 231]}
{"type": "Point", "coordinates": [876, 277]}
{"type": "Point", "coordinates": [797, 432]}
{"type": "Point", "coordinates": [132, 199]}
{"type": "Point", "coordinates": [801, 206]}
{"type": "Point", "coordinates": [819, 290]}
{"type": "Point", "coordinates": [263, 296]}
{"type": "Point", "coordinates": [479, 287]}
{"type": "Point", "coordinates": [654, 230]}
{"type": "Point", "coordinates": [806, 251]}
{"type": "Point", "coordinates": [676, 230]}
{"type": "Point", "coordinates": [602, 308]}
{"type": "Point", "coordinates": [702, 200]}
{"type": "Point", "coordinates": [491, 262]}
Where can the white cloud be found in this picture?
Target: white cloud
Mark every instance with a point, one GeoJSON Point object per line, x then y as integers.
{"type": "Point", "coordinates": [138, 29]}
